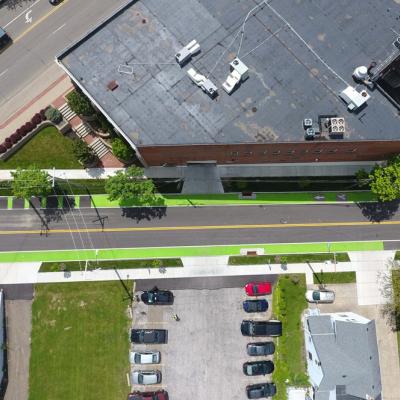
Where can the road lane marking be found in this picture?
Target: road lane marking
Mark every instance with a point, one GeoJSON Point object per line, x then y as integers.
{"type": "Point", "coordinates": [206, 227]}
{"type": "Point", "coordinates": [19, 15]}
{"type": "Point", "coordinates": [28, 18]}
{"type": "Point", "coordinates": [39, 21]}
{"type": "Point", "coordinates": [2, 73]}
{"type": "Point", "coordinates": [59, 28]}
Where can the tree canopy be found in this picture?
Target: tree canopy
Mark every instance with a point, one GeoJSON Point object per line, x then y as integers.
{"type": "Point", "coordinates": [79, 103]}
{"type": "Point", "coordinates": [130, 185]}
{"type": "Point", "coordinates": [384, 181]}
{"type": "Point", "coordinates": [30, 182]}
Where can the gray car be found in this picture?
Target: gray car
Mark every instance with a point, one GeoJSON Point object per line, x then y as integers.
{"type": "Point", "coordinates": [260, 348]}
{"type": "Point", "coordinates": [145, 377]}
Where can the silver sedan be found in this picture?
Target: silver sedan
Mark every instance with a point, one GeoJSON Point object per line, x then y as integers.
{"type": "Point", "coordinates": [145, 377]}
{"type": "Point", "coordinates": [144, 357]}
{"type": "Point", "coordinates": [320, 296]}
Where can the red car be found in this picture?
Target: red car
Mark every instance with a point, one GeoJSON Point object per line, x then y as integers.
{"type": "Point", "coordinates": [159, 395]}
{"type": "Point", "coordinates": [258, 288]}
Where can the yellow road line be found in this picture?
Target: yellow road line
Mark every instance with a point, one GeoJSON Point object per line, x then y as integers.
{"type": "Point", "coordinates": [39, 21]}
{"type": "Point", "coordinates": [206, 227]}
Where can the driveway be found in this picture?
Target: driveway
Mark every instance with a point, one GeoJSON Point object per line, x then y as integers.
{"type": "Point", "coordinates": [346, 300]}
{"type": "Point", "coordinates": [204, 356]}
{"type": "Point", "coordinates": [19, 317]}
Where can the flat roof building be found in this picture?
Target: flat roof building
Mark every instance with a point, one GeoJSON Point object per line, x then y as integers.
{"type": "Point", "coordinates": [296, 58]}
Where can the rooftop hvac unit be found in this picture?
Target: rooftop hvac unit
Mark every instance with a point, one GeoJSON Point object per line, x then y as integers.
{"type": "Point", "coordinates": [186, 52]}
{"type": "Point", "coordinates": [337, 126]}
{"type": "Point", "coordinates": [396, 43]}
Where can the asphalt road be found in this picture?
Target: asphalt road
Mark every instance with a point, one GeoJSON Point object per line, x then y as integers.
{"type": "Point", "coordinates": [41, 34]}
{"type": "Point", "coordinates": [19, 230]}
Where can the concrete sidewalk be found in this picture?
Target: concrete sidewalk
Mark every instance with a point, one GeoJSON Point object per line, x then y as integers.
{"type": "Point", "coordinates": [367, 266]}
{"type": "Point", "coordinates": [89, 173]}
{"type": "Point", "coordinates": [40, 93]}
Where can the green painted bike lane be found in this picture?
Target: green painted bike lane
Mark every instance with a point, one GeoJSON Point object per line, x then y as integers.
{"type": "Point", "coordinates": [184, 251]}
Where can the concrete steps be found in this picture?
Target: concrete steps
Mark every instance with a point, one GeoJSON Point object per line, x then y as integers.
{"type": "Point", "coordinates": [66, 112]}
{"type": "Point", "coordinates": [83, 129]}
{"type": "Point", "coordinates": [99, 148]}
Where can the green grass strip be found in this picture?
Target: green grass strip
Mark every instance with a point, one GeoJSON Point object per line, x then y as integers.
{"type": "Point", "coordinates": [10, 202]}
{"type": "Point", "coordinates": [26, 203]}
{"type": "Point", "coordinates": [43, 202]}
{"type": "Point", "coordinates": [188, 251]}
{"type": "Point", "coordinates": [79, 342]}
{"type": "Point", "coordinates": [287, 258]}
{"type": "Point", "coordinates": [101, 200]}
{"type": "Point", "coordinates": [288, 303]}
{"type": "Point", "coordinates": [334, 277]}
{"type": "Point", "coordinates": [119, 264]}
{"type": "Point", "coordinates": [60, 201]}
{"type": "Point", "coordinates": [77, 201]}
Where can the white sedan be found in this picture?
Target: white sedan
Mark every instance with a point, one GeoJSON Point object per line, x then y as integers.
{"type": "Point", "coordinates": [320, 296]}
{"type": "Point", "coordinates": [145, 377]}
{"type": "Point", "coordinates": [144, 357]}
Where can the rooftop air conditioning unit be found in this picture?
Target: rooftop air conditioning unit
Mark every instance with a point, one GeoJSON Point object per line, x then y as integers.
{"type": "Point", "coordinates": [337, 126]}
{"type": "Point", "coordinates": [186, 52]}
{"type": "Point", "coordinates": [396, 43]}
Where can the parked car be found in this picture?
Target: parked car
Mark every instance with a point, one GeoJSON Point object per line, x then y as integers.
{"type": "Point", "coordinates": [158, 395]}
{"type": "Point", "coordinates": [320, 296]}
{"type": "Point", "coordinates": [260, 390]}
{"type": "Point", "coordinates": [258, 288]}
{"type": "Point", "coordinates": [261, 328]}
{"type": "Point", "coordinates": [5, 40]}
{"type": "Point", "coordinates": [149, 336]}
{"type": "Point", "coordinates": [55, 2]}
{"type": "Point", "coordinates": [260, 348]}
{"type": "Point", "coordinates": [144, 357]}
{"type": "Point", "coordinates": [255, 305]}
{"type": "Point", "coordinates": [145, 377]}
{"type": "Point", "coordinates": [157, 297]}
{"type": "Point", "coordinates": [258, 368]}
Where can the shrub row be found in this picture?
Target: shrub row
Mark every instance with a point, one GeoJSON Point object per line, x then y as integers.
{"type": "Point", "coordinates": [23, 131]}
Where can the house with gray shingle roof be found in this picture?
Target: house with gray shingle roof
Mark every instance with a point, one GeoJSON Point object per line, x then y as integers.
{"type": "Point", "coordinates": [342, 356]}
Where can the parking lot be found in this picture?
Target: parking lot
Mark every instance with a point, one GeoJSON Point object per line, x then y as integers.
{"type": "Point", "coordinates": [204, 356]}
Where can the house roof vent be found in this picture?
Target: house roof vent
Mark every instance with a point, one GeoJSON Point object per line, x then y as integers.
{"type": "Point", "coordinates": [112, 85]}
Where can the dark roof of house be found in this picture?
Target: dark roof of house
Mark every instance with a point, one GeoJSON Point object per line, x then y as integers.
{"type": "Point", "coordinates": [349, 357]}
{"type": "Point", "coordinates": [157, 104]}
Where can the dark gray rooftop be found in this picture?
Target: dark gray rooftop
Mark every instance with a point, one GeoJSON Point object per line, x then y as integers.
{"type": "Point", "coordinates": [349, 357]}
{"type": "Point", "coordinates": [158, 104]}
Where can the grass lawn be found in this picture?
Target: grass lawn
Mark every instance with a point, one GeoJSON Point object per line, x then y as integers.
{"type": "Point", "coordinates": [119, 264]}
{"type": "Point", "coordinates": [335, 277]}
{"type": "Point", "coordinates": [397, 255]}
{"type": "Point", "coordinates": [288, 258]}
{"type": "Point", "coordinates": [47, 149]}
{"type": "Point", "coordinates": [288, 304]}
{"type": "Point", "coordinates": [79, 342]}
{"type": "Point", "coordinates": [396, 298]}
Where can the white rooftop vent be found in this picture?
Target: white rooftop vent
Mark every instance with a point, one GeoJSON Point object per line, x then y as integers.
{"type": "Point", "coordinates": [204, 83]}
{"type": "Point", "coordinates": [354, 99]}
{"type": "Point", "coordinates": [186, 52]}
{"type": "Point", "coordinates": [360, 73]}
{"type": "Point", "coordinates": [239, 73]}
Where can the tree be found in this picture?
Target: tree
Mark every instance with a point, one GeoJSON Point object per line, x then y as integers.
{"type": "Point", "coordinates": [385, 181]}
{"type": "Point", "coordinates": [83, 152]}
{"type": "Point", "coordinates": [79, 103]}
{"type": "Point", "coordinates": [389, 284]}
{"type": "Point", "coordinates": [121, 150]}
{"type": "Point", "coordinates": [130, 185]}
{"type": "Point", "coordinates": [30, 182]}
{"type": "Point", "coordinates": [53, 115]}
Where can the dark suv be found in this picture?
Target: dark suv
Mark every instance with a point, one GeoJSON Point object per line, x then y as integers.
{"type": "Point", "coordinates": [157, 297]}
{"type": "Point", "coordinates": [258, 368]}
{"type": "Point", "coordinates": [149, 336]}
{"type": "Point", "coordinates": [5, 40]}
{"type": "Point", "coordinates": [260, 390]}
{"type": "Point", "coordinates": [261, 328]}
{"type": "Point", "coordinates": [260, 348]}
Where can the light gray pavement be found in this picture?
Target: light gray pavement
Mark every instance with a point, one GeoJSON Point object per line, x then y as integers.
{"type": "Point", "coordinates": [347, 299]}
{"type": "Point", "coordinates": [19, 325]}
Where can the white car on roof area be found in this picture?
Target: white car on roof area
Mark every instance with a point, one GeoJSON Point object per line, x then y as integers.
{"type": "Point", "coordinates": [144, 357]}
{"type": "Point", "coordinates": [320, 296]}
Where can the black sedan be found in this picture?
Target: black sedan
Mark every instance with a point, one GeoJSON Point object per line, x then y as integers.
{"type": "Point", "coordinates": [261, 328]}
{"type": "Point", "coordinates": [149, 336]}
{"type": "Point", "coordinates": [156, 296]}
{"type": "Point", "coordinates": [260, 348]}
{"type": "Point", "coordinates": [260, 390]}
{"type": "Point", "coordinates": [255, 305]}
{"type": "Point", "coordinates": [258, 368]}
